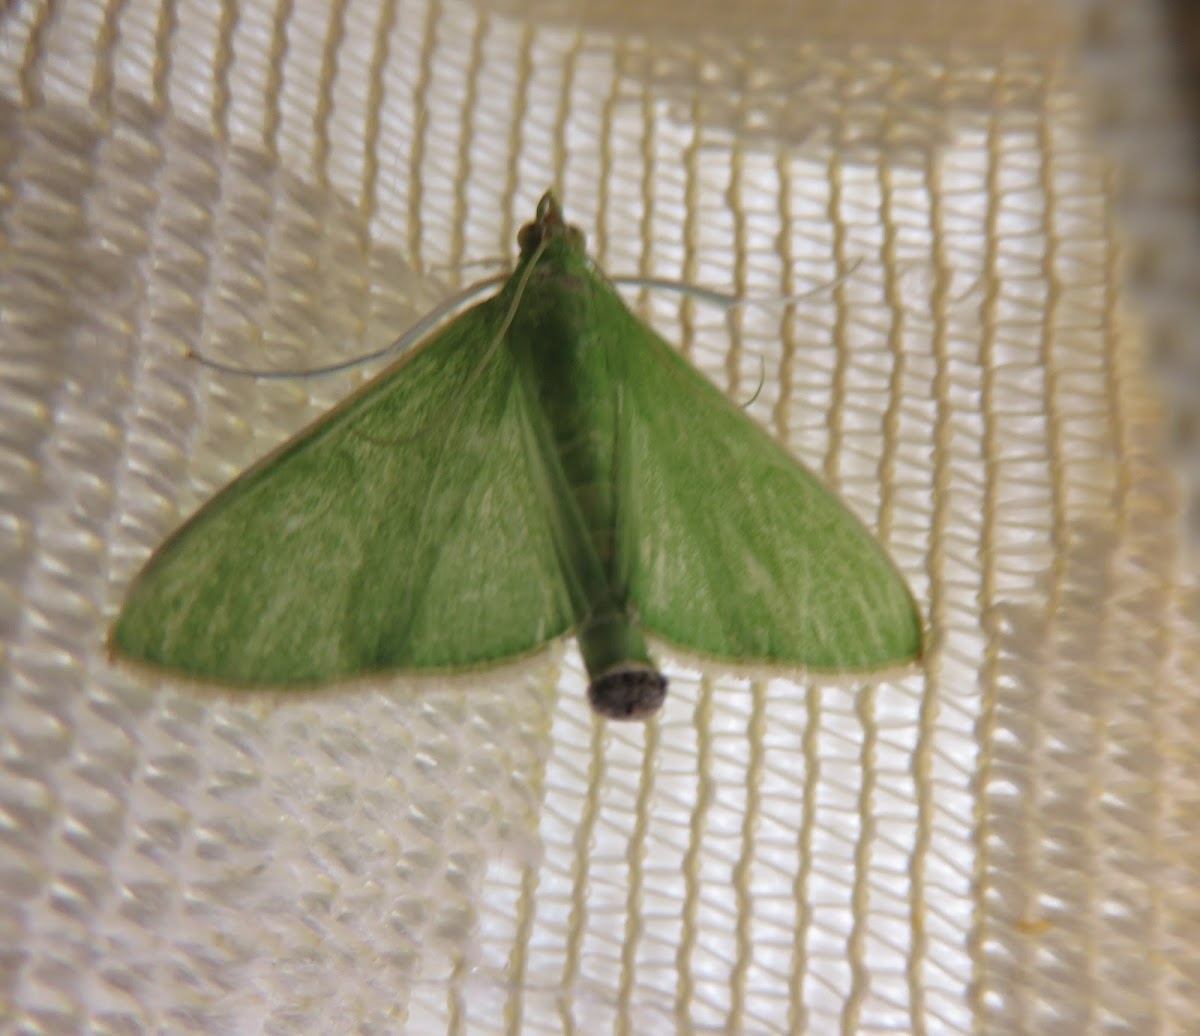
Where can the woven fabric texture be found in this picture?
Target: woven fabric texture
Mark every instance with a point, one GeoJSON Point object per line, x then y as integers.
{"type": "Point", "coordinates": [1005, 842]}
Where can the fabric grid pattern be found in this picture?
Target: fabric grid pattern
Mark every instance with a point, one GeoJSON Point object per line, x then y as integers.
{"type": "Point", "coordinates": [912, 197]}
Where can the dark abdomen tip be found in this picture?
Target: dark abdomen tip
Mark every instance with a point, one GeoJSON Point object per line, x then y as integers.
{"type": "Point", "coordinates": [628, 692]}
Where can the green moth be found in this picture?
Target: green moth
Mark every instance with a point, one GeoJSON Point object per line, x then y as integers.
{"type": "Point", "coordinates": [544, 464]}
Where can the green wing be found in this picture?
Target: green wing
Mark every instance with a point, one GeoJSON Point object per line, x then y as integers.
{"type": "Point", "coordinates": [734, 550]}
{"type": "Point", "coordinates": [406, 530]}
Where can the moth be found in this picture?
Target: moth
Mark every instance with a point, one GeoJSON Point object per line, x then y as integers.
{"type": "Point", "coordinates": [543, 465]}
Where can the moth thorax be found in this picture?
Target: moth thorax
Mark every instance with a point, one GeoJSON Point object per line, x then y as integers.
{"type": "Point", "coordinates": [628, 691]}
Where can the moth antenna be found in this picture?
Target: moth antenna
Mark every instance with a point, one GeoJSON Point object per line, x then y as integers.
{"type": "Point", "coordinates": [415, 334]}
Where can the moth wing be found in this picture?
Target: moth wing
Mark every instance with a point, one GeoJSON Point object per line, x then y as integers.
{"type": "Point", "coordinates": [733, 549]}
{"type": "Point", "coordinates": [405, 530]}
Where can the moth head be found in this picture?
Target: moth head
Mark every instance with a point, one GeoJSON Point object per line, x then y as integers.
{"type": "Point", "coordinates": [548, 224]}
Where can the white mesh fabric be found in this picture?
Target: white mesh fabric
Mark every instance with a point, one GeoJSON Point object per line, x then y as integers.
{"type": "Point", "coordinates": [1143, 79]}
{"type": "Point", "coordinates": [1003, 843]}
